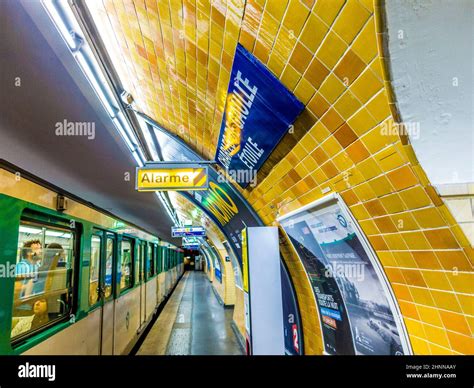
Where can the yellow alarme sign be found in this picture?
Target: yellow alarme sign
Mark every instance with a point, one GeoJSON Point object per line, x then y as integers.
{"type": "Point", "coordinates": [172, 178]}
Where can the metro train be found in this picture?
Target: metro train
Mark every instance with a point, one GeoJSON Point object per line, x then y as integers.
{"type": "Point", "coordinates": [75, 280]}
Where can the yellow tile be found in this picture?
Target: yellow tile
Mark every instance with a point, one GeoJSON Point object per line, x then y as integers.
{"type": "Point", "coordinates": [437, 280]}
{"type": "Point", "coordinates": [361, 121]}
{"type": "Point", "coordinates": [327, 10]}
{"type": "Point", "coordinates": [347, 105]}
{"type": "Point", "coordinates": [331, 88]}
{"type": "Point", "coordinates": [381, 186]}
{"type": "Point", "coordinates": [366, 86]}
{"type": "Point", "coordinates": [436, 335]}
{"type": "Point", "coordinates": [369, 168]}
{"type": "Point", "coordinates": [389, 159]}
{"type": "Point", "coordinates": [414, 327]}
{"type": "Point", "coordinates": [276, 65]}
{"type": "Point", "coordinates": [420, 346]}
{"type": "Point", "coordinates": [422, 296]}
{"type": "Point", "coordinates": [392, 203]}
{"type": "Point", "coordinates": [331, 50]}
{"type": "Point", "coordinates": [446, 300]}
{"type": "Point", "coordinates": [415, 197]}
{"type": "Point", "coordinates": [467, 303]}
{"type": "Point", "coordinates": [313, 33]}
{"type": "Point", "coordinates": [304, 91]}
{"type": "Point", "coordinates": [276, 8]}
{"type": "Point", "coordinates": [429, 218]}
{"type": "Point", "coordinates": [404, 222]}
{"type": "Point", "coordinates": [295, 16]}
{"type": "Point", "coordinates": [429, 315]}
{"type": "Point", "coordinates": [462, 281]}
{"type": "Point", "coordinates": [379, 108]}
{"type": "Point", "coordinates": [350, 20]}
{"type": "Point", "coordinates": [365, 44]}
{"type": "Point", "coordinates": [290, 77]}
{"type": "Point", "coordinates": [416, 240]}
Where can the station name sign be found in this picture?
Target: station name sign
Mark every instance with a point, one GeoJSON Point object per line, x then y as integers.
{"type": "Point", "coordinates": [259, 111]}
{"type": "Point", "coordinates": [176, 177]}
{"type": "Point", "coordinates": [187, 231]}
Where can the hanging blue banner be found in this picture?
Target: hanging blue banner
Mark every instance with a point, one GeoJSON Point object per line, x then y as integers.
{"type": "Point", "coordinates": [259, 111]}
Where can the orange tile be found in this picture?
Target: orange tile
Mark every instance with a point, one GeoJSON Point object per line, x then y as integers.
{"type": "Point", "coordinates": [402, 292]}
{"type": "Point", "coordinates": [461, 343]}
{"type": "Point", "coordinates": [357, 151]}
{"type": "Point", "coordinates": [408, 310]}
{"type": "Point", "coordinates": [345, 135]}
{"type": "Point", "coordinates": [374, 208]}
{"type": "Point", "coordinates": [300, 58]}
{"type": "Point", "coordinates": [318, 105]}
{"type": "Point", "coordinates": [455, 322]}
{"type": "Point", "coordinates": [413, 277]}
{"type": "Point", "coordinates": [454, 260]}
{"type": "Point", "coordinates": [441, 239]}
{"type": "Point", "coordinates": [385, 224]}
{"type": "Point", "coordinates": [316, 72]}
{"type": "Point", "coordinates": [402, 178]}
{"type": "Point", "coordinates": [426, 260]}
{"type": "Point", "coordinates": [332, 120]}
{"type": "Point", "coordinates": [349, 68]}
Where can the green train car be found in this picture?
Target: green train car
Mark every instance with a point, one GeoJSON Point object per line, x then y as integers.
{"type": "Point", "coordinates": [77, 281]}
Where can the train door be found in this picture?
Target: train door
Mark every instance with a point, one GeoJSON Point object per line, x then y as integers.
{"type": "Point", "coordinates": [103, 248]}
{"type": "Point", "coordinates": [143, 285]}
{"type": "Point", "coordinates": [107, 295]}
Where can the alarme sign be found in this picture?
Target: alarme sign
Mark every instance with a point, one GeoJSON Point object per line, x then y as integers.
{"type": "Point", "coordinates": [162, 177]}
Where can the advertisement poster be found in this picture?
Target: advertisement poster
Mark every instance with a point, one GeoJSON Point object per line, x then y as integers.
{"type": "Point", "coordinates": [259, 111]}
{"type": "Point", "coordinates": [353, 305]}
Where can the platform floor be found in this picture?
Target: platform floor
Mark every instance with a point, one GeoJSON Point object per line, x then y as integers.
{"type": "Point", "coordinates": [193, 322]}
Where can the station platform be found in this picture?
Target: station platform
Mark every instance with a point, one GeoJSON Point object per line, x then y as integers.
{"type": "Point", "coordinates": [193, 322]}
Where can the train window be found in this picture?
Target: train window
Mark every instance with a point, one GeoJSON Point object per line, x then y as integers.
{"type": "Point", "coordinates": [109, 259]}
{"type": "Point", "coordinates": [96, 248]}
{"type": "Point", "coordinates": [43, 277]}
{"type": "Point", "coordinates": [126, 265]}
{"type": "Point", "coordinates": [150, 267]}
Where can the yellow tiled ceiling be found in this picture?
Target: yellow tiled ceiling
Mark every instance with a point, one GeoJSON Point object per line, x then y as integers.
{"type": "Point", "coordinates": [175, 58]}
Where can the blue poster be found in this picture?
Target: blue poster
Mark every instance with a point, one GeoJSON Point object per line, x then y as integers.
{"type": "Point", "coordinates": [259, 111]}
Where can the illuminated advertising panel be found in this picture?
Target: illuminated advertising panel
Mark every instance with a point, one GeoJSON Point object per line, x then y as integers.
{"type": "Point", "coordinates": [357, 311]}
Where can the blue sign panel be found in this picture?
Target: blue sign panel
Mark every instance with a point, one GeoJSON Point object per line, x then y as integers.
{"type": "Point", "coordinates": [178, 231]}
{"type": "Point", "coordinates": [259, 111]}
